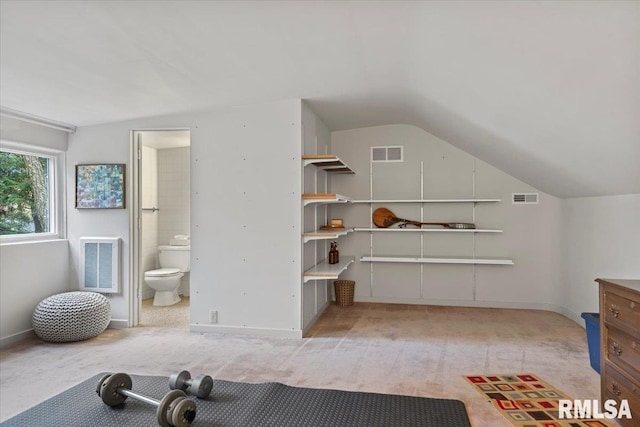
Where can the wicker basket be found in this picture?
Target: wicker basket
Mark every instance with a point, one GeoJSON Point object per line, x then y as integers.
{"type": "Point", "coordinates": [344, 292]}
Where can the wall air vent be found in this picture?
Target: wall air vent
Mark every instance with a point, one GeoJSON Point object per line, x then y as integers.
{"type": "Point", "coordinates": [100, 264]}
{"type": "Point", "coordinates": [525, 198]}
{"type": "Point", "coordinates": [387, 154]}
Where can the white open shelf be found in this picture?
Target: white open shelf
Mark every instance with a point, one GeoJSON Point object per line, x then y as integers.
{"type": "Point", "coordinates": [309, 198]}
{"type": "Point", "coordinates": [327, 162]}
{"type": "Point", "coordinates": [438, 260]}
{"type": "Point", "coordinates": [326, 271]}
{"type": "Point", "coordinates": [431, 230]}
{"type": "Point", "coordinates": [430, 201]}
{"type": "Point", "coordinates": [325, 234]}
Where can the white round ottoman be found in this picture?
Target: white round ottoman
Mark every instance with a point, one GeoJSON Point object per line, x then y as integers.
{"type": "Point", "coordinates": [71, 316]}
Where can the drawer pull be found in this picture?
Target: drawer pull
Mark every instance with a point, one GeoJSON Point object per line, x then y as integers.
{"type": "Point", "coordinates": [615, 310]}
{"type": "Point", "coordinates": [615, 389]}
{"type": "Point", "coordinates": [615, 348]}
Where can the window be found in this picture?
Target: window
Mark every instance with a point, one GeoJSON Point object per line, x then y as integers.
{"type": "Point", "coordinates": [29, 194]}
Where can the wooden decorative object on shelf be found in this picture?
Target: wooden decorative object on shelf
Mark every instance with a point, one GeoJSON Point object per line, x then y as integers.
{"type": "Point", "coordinates": [383, 218]}
{"type": "Point", "coordinates": [336, 224]}
{"type": "Point", "coordinates": [330, 227]}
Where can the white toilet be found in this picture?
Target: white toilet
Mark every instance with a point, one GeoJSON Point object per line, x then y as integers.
{"type": "Point", "coordinates": [174, 262]}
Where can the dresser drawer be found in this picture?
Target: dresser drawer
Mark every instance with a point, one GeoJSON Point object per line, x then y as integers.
{"type": "Point", "coordinates": [634, 421]}
{"type": "Point", "coordinates": [620, 311]}
{"type": "Point", "coordinates": [616, 384]}
{"type": "Point", "coordinates": [635, 415]}
{"type": "Point", "coordinates": [623, 350]}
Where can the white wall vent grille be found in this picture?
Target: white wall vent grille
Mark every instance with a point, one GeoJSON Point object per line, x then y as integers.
{"type": "Point", "coordinates": [387, 154]}
{"type": "Point", "coordinates": [525, 198]}
{"type": "Point", "coordinates": [100, 264]}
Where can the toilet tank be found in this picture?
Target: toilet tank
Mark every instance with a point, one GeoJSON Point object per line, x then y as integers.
{"type": "Point", "coordinates": [175, 257]}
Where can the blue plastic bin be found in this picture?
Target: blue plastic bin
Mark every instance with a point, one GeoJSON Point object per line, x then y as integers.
{"type": "Point", "coordinates": [592, 322]}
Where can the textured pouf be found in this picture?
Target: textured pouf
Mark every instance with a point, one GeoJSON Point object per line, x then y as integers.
{"type": "Point", "coordinates": [71, 316]}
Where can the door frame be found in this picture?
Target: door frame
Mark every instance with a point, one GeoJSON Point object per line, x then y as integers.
{"type": "Point", "coordinates": [136, 275]}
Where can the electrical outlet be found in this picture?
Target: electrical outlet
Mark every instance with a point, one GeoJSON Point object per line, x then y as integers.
{"type": "Point", "coordinates": [213, 316]}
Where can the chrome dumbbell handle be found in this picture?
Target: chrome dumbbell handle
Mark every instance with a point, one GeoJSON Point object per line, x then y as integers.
{"type": "Point", "coordinates": [140, 397]}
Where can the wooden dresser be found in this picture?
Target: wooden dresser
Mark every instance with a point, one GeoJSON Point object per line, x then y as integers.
{"type": "Point", "coordinates": [620, 344]}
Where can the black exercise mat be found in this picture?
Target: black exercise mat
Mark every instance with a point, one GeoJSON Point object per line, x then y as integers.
{"type": "Point", "coordinates": [235, 404]}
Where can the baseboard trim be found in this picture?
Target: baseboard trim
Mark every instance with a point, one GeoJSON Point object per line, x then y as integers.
{"type": "Point", "coordinates": [15, 338]}
{"type": "Point", "coordinates": [29, 333]}
{"type": "Point", "coordinates": [240, 330]}
{"type": "Point", "coordinates": [571, 315]}
{"type": "Point", "coordinates": [480, 304]}
{"type": "Point", "coordinates": [118, 324]}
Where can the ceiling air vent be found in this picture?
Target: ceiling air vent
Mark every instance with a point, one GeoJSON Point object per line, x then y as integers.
{"type": "Point", "coordinates": [387, 154]}
{"type": "Point", "coordinates": [525, 198]}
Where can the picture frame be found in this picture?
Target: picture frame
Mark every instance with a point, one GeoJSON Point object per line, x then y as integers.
{"type": "Point", "coordinates": [100, 186]}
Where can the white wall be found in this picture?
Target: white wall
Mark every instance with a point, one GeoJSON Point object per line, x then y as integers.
{"type": "Point", "coordinates": [174, 193]}
{"type": "Point", "coordinates": [29, 272]}
{"type": "Point", "coordinates": [531, 233]}
{"type": "Point", "coordinates": [100, 144]}
{"type": "Point", "coordinates": [174, 199]}
{"type": "Point", "coordinates": [603, 241]}
{"type": "Point", "coordinates": [245, 220]}
{"type": "Point", "coordinates": [245, 213]}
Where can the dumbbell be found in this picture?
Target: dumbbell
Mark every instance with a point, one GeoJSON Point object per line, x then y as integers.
{"type": "Point", "coordinates": [174, 410]}
{"type": "Point", "coordinates": [200, 386]}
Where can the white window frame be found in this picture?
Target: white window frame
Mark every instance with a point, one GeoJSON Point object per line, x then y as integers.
{"type": "Point", "coordinates": [57, 199]}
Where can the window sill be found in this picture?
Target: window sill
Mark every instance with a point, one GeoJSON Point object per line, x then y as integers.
{"type": "Point", "coordinates": [10, 240]}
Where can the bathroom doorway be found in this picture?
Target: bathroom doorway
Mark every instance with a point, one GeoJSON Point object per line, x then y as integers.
{"type": "Point", "coordinates": [161, 224]}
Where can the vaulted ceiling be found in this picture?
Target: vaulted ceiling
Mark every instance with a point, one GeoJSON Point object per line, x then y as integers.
{"type": "Point", "coordinates": [546, 91]}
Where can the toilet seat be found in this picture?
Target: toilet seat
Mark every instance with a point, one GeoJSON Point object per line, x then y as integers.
{"type": "Point", "coordinates": [162, 272]}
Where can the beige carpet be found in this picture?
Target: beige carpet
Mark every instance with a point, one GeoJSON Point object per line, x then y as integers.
{"type": "Point", "coordinates": [402, 349]}
{"type": "Point", "coordinates": [171, 316]}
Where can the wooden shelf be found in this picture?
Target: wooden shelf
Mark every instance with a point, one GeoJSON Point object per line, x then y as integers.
{"type": "Point", "coordinates": [430, 201]}
{"type": "Point", "coordinates": [326, 271]}
{"type": "Point", "coordinates": [325, 234]}
{"type": "Point", "coordinates": [431, 230]}
{"type": "Point", "coordinates": [308, 198]}
{"type": "Point", "coordinates": [327, 162]}
{"type": "Point", "coordinates": [438, 260]}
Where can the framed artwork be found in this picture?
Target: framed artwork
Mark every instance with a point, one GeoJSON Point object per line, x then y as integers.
{"type": "Point", "coordinates": [100, 186]}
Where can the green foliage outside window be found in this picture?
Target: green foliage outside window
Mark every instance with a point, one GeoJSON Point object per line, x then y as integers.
{"type": "Point", "coordinates": [24, 194]}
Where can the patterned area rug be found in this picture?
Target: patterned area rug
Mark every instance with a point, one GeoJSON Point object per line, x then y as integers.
{"type": "Point", "coordinates": [527, 401]}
